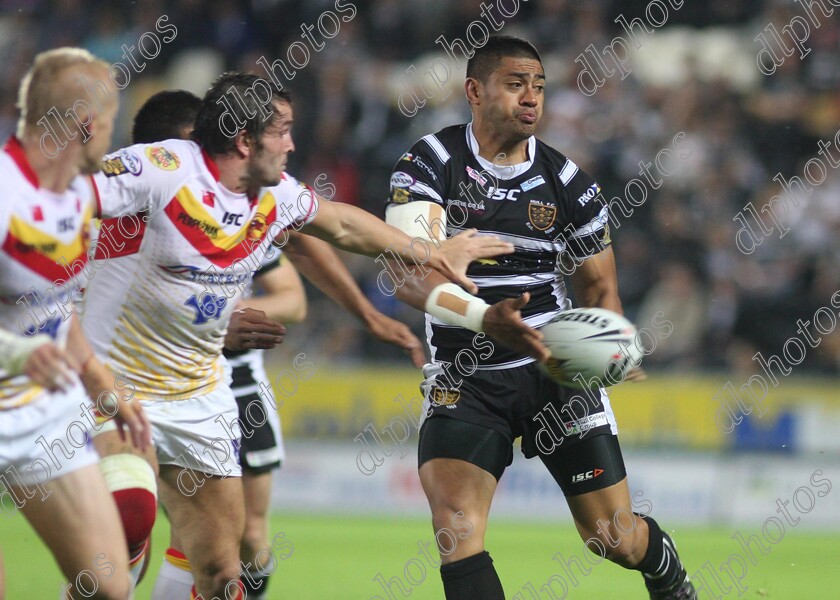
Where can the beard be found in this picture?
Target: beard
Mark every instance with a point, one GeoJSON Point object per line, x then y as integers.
{"type": "Point", "coordinates": [90, 165]}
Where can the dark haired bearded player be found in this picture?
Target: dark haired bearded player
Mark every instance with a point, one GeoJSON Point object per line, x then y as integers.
{"type": "Point", "coordinates": [254, 327]}
{"type": "Point", "coordinates": [202, 216]}
{"type": "Point", "coordinates": [494, 175]}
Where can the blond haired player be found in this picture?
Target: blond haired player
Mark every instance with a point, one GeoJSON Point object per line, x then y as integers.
{"type": "Point", "coordinates": [47, 369]}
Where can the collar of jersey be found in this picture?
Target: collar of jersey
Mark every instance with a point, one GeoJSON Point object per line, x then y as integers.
{"type": "Point", "coordinates": [14, 149]}
{"type": "Point", "coordinates": [501, 171]}
{"type": "Point", "coordinates": [214, 172]}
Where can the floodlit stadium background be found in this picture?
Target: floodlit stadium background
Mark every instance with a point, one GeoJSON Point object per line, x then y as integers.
{"type": "Point", "coordinates": [679, 253]}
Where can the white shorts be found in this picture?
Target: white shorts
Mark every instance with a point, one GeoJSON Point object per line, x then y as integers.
{"type": "Point", "coordinates": [196, 434]}
{"type": "Point", "coordinates": [45, 439]}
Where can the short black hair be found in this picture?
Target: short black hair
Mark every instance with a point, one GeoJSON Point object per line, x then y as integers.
{"type": "Point", "coordinates": [486, 58]}
{"type": "Point", "coordinates": [245, 100]}
{"type": "Point", "coordinates": [164, 115]}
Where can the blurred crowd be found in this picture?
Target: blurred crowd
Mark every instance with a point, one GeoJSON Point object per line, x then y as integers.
{"type": "Point", "coordinates": [696, 74]}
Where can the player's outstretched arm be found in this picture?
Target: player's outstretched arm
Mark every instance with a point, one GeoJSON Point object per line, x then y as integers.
{"type": "Point", "coordinates": [449, 303]}
{"type": "Point", "coordinates": [357, 231]}
{"type": "Point", "coordinates": [596, 284]}
{"type": "Point", "coordinates": [111, 397]}
{"type": "Point", "coordinates": [427, 221]}
{"type": "Point", "coordinates": [322, 266]}
{"type": "Point", "coordinates": [468, 246]}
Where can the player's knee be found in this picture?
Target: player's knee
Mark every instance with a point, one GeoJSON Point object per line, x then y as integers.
{"type": "Point", "coordinates": [459, 518]}
{"type": "Point", "coordinates": [223, 575]}
{"type": "Point", "coordinates": [112, 588]}
{"type": "Point", "coordinates": [131, 480]}
{"type": "Point", "coordinates": [621, 547]}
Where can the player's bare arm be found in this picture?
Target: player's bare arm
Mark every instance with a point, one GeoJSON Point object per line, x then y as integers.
{"type": "Point", "coordinates": [595, 282]}
{"type": "Point", "coordinates": [355, 230]}
{"type": "Point", "coordinates": [322, 266]}
{"type": "Point", "coordinates": [434, 295]}
{"type": "Point", "coordinates": [108, 397]}
{"type": "Point", "coordinates": [502, 321]}
{"type": "Point", "coordinates": [283, 298]}
{"type": "Point", "coordinates": [468, 246]}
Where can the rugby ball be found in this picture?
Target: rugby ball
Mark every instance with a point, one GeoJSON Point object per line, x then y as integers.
{"type": "Point", "coordinates": [590, 348]}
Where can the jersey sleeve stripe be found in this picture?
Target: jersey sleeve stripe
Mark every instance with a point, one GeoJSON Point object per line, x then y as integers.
{"type": "Point", "coordinates": [424, 189]}
{"type": "Point", "coordinates": [568, 172]}
{"type": "Point", "coordinates": [489, 281]}
{"type": "Point", "coordinates": [437, 147]}
{"type": "Point", "coordinates": [594, 225]}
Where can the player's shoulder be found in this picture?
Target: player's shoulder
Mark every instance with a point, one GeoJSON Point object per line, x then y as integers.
{"type": "Point", "coordinates": [561, 166]}
{"type": "Point", "coordinates": [289, 185]}
{"type": "Point", "coordinates": [441, 145]}
{"type": "Point", "coordinates": [551, 157]}
{"type": "Point", "coordinates": [298, 198]}
{"type": "Point", "coordinates": [14, 167]}
{"type": "Point", "coordinates": [158, 158]}
{"type": "Point", "coordinates": [9, 171]}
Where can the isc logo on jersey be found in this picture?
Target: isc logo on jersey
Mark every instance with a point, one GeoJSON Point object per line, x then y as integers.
{"type": "Point", "coordinates": [230, 218]}
{"type": "Point", "coordinates": [495, 193]}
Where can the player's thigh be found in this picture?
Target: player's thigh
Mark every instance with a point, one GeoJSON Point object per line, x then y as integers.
{"type": "Point", "coordinates": [460, 463]}
{"type": "Point", "coordinates": [207, 519]}
{"type": "Point", "coordinates": [80, 524]}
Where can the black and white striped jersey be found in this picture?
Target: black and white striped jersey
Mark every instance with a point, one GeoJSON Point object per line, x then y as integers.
{"type": "Point", "coordinates": [546, 207]}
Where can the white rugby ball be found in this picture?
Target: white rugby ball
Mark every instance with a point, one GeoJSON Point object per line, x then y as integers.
{"type": "Point", "coordinates": [590, 347]}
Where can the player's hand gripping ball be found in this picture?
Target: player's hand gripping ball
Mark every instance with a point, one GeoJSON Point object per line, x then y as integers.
{"type": "Point", "coordinates": [590, 348]}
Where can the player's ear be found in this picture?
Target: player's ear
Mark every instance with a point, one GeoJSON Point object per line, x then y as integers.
{"type": "Point", "coordinates": [243, 143]}
{"type": "Point", "coordinates": [471, 87]}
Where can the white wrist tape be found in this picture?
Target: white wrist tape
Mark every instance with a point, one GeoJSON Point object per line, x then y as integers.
{"type": "Point", "coordinates": [454, 306]}
{"type": "Point", "coordinates": [16, 349]}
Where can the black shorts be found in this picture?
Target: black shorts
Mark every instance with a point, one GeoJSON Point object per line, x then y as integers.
{"type": "Point", "coordinates": [261, 448]}
{"type": "Point", "coordinates": [567, 428]}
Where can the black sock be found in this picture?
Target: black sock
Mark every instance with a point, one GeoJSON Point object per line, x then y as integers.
{"type": "Point", "coordinates": [472, 578]}
{"type": "Point", "coordinates": [661, 567]}
{"type": "Point", "coordinates": [255, 584]}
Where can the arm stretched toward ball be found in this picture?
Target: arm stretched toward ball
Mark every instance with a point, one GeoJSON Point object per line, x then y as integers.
{"type": "Point", "coordinates": [595, 283]}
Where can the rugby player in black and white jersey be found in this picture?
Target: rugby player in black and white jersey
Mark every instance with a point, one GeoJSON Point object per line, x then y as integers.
{"type": "Point", "coordinates": [493, 174]}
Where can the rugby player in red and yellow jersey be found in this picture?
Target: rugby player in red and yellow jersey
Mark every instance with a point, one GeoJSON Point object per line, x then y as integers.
{"type": "Point", "coordinates": [47, 369]}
